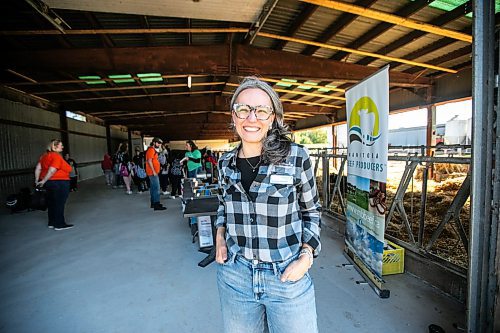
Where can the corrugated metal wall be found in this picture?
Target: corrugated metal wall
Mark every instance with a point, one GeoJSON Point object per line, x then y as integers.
{"type": "Point", "coordinates": [87, 151]}
{"type": "Point", "coordinates": [20, 147]}
{"type": "Point", "coordinates": [24, 133]}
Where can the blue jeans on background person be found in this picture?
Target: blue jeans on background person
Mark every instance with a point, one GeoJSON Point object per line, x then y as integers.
{"type": "Point", "coordinates": [154, 189]}
{"type": "Point", "coordinates": [193, 173]}
{"type": "Point", "coordinates": [57, 194]}
{"type": "Point", "coordinates": [249, 292]}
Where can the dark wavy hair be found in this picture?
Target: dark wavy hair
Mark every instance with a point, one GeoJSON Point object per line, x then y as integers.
{"type": "Point", "coordinates": [276, 144]}
{"type": "Point", "coordinates": [192, 145]}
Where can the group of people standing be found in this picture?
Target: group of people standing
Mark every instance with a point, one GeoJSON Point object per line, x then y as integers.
{"type": "Point", "coordinates": [156, 169]}
{"type": "Point", "coordinates": [121, 171]}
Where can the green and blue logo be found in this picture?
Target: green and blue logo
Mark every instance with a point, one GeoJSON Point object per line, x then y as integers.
{"type": "Point", "coordinates": [366, 104]}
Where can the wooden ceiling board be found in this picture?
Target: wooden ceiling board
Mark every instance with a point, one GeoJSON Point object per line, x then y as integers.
{"type": "Point", "coordinates": [220, 10]}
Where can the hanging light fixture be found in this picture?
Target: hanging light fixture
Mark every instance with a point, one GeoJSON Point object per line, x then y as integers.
{"type": "Point", "coordinates": [189, 81]}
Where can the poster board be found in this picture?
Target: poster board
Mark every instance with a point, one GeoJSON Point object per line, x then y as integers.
{"type": "Point", "coordinates": [367, 107]}
{"type": "Point", "coordinates": [205, 231]}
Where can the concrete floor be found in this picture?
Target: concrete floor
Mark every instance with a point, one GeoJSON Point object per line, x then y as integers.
{"type": "Point", "coordinates": [125, 268]}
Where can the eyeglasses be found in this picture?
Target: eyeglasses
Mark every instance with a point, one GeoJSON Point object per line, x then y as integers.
{"type": "Point", "coordinates": [262, 112]}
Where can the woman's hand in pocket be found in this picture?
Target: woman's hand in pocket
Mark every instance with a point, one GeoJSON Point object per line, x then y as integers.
{"type": "Point", "coordinates": [296, 270]}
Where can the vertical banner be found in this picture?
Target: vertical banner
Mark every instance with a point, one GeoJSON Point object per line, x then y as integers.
{"type": "Point", "coordinates": [367, 109]}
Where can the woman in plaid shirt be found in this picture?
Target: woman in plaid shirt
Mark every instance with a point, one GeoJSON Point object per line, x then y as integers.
{"type": "Point", "coordinates": [268, 221]}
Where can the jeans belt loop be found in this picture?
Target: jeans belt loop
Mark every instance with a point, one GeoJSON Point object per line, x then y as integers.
{"type": "Point", "coordinates": [276, 270]}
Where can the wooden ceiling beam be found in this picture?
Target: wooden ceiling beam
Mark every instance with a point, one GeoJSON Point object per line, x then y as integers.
{"type": "Point", "coordinates": [124, 88]}
{"type": "Point", "coordinates": [307, 11]}
{"type": "Point", "coordinates": [165, 104]}
{"type": "Point", "coordinates": [174, 104]}
{"type": "Point", "coordinates": [406, 10]}
{"type": "Point", "coordinates": [336, 27]}
{"type": "Point", "coordinates": [391, 18]}
{"type": "Point", "coordinates": [443, 42]}
{"type": "Point", "coordinates": [77, 81]}
{"type": "Point", "coordinates": [371, 54]}
{"type": "Point", "coordinates": [76, 32]}
{"type": "Point", "coordinates": [443, 19]}
{"type": "Point", "coordinates": [447, 57]}
{"type": "Point", "coordinates": [208, 60]}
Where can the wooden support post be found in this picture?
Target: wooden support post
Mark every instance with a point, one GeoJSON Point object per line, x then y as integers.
{"type": "Point", "coordinates": [334, 144]}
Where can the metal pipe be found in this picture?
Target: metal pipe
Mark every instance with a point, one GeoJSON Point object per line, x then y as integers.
{"type": "Point", "coordinates": [423, 204]}
{"type": "Point", "coordinates": [263, 21]}
{"type": "Point", "coordinates": [495, 214]}
{"type": "Point", "coordinates": [482, 42]}
{"type": "Point", "coordinates": [493, 281]}
{"type": "Point", "coordinates": [326, 183]}
{"type": "Point", "coordinates": [420, 159]}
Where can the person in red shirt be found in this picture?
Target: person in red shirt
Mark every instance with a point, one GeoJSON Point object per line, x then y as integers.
{"type": "Point", "coordinates": [52, 172]}
{"type": "Point", "coordinates": [152, 170]}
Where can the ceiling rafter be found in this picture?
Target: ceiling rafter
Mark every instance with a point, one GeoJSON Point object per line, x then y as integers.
{"type": "Point", "coordinates": [412, 36]}
{"type": "Point", "coordinates": [101, 79]}
{"type": "Point", "coordinates": [406, 10]}
{"type": "Point", "coordinates": [144, 88]}
{"type": "Point", "coordinates": [307, 11]}
{"type": "Point", "coordinates": [443, 42]}
{"type": "Point", "coordinates": [467, 50]}
{"type": "Point", "coordinates": [391, 18]}
{"type": "Point", "coordinates": [341, 48]}
{"type": "Point", "coordinates": [336, 27]}
{"type": "Point", "coordinates": [122, 31]}
{"type": "Point", "coordinates": [208, 60]}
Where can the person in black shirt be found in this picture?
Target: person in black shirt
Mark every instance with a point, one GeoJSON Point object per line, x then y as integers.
{"type": "Point", "coordinates": [268, 221]}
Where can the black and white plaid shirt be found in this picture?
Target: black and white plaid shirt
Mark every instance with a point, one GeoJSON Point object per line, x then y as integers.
{"type": "Point", "coordinates": [279, 213]}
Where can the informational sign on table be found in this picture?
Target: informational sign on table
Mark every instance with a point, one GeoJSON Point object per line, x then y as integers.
{"type": "Point", "coordinates": [205, 231]}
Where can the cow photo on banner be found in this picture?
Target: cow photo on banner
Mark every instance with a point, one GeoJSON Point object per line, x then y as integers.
{"type": "Point", "coordinates": [367, 109]}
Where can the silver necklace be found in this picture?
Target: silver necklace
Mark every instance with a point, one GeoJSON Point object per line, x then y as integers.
{"type": "Point", "coordinates": [246, 159]}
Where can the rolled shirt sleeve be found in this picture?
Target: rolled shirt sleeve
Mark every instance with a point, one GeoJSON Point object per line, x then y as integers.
{"type": "Point", "coordinates": [221, 211]}
{"type": "Point", "coordinates": [309, 205]}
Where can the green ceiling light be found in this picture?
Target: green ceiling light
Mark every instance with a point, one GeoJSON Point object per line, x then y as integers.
{"type": "Point", "coordinates": [122, 78]}
{"type": "Point", "coordinates": [311, 83]}
{"type": "Point", "coordinates": [282, 84]}
{"type": "Point", "coordinates": [305, 87]}
{"type": "Point", "coordinates": [326, 88]}
{"type": "Point", "coordinates": [92, 79]}
{"type": "Point", "coordinates": [150, 77]}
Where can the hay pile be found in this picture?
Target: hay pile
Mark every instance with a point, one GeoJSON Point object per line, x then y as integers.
{"type": "Point", "coordinates": [440, 193]}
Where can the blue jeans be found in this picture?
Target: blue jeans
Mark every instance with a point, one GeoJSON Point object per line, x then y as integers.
{"type": "Point", "coordinates": [57, 194]}
{"type": "Point", "coordinates": [193, 173]}
{"type": "Point", "coordinates": [249, 292]}
{"type": "Point", "coordinates": [154, 189]}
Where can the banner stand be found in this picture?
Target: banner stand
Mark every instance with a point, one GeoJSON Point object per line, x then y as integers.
{"type": "Point", "coordinates": [373, 280]}
{"type": "Point", "coordinates": [367, 111]}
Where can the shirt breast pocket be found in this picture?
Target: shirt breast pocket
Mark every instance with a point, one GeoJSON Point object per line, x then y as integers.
{"type": "Point", "coordinates": [281, 191]}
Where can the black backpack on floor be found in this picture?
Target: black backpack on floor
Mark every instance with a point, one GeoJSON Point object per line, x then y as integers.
{"type": "Point", "coordinates": [19, 202]}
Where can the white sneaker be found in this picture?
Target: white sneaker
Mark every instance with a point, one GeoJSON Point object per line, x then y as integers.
{"type": "Point", "coordinates": [166, 193]}
{"type": "Point", "coordinates": [129, 192]}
